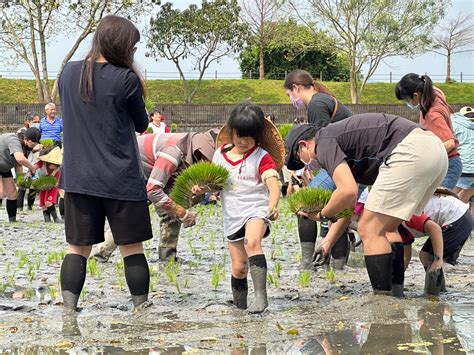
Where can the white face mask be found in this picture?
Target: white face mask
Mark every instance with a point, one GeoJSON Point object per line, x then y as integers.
{"type": "Point", "coordinates": [413, 107]}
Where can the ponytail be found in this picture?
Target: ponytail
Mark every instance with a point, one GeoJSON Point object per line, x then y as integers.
{"type": "Point", "coordinates": [421, 84]}
{"type": "Point", "coordinates": [304, 78]}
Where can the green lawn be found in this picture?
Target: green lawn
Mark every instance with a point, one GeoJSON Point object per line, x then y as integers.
{"type": "Point", "coordinates": [233, 91]}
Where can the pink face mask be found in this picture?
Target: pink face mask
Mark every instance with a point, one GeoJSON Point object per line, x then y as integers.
{"type": "Point", "coordinates": [297, 103]}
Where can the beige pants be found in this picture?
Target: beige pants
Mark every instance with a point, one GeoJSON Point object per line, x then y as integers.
{"type": "Point", "coordinates": [409, 177]}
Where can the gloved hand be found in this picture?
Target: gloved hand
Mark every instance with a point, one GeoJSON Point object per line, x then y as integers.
{"type": "Point", "coordinates": [272, 213]}
{"type": "Point", "coordinates": [320, 256]}
{"type": "Point", "coordinates": [189, 219]}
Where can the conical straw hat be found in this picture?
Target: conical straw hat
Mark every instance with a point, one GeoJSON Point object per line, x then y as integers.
{"type": "Point", "coordinates": [55, 156]}
{"type": "Point", "coordinates": [271, 141]}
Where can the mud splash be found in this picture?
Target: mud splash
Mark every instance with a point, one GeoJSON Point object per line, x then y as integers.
{"type": "Point", "coordinates": [316, 313]}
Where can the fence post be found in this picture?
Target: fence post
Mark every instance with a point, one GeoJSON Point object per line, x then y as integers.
{"type": "Point", "coordinates": [286, 73]}
{"type": "Point", "coordinates": [321, 75]}
{"type": "Point", "coordinates": [215, 75]}
{"type": "Point", "coordinates": [145, 74]}
{"type": "Point", "coordinates": [390, 77]}
{"type": "Point", "coordinates": [250, 74]}
{"type": "Point", "coordinates": [461, 77]}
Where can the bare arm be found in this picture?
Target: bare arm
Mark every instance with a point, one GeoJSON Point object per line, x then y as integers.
{"type": "Point", "coordinates": [22, 160]}
{"type": "Point", "coordinates": [436, 237]}
{"type": "Point", "coordinates": [450, 145]}
{"type": "Point", "coordinates": [274, 191]}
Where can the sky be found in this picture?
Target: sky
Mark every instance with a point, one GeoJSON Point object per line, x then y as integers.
{"type": "Point", "coordinates": [431, 63]}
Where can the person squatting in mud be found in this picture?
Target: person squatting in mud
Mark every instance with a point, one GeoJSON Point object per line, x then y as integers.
{"type": "Point", "coordinates": [323, 109]}
{"type": "Point", "coordinates": [388, 153]}
{"type": "Point", "coordinates": [102, 101]}
{"type": "Point", "coordinates": [252, 150]}
{"type": "Point", "coordinates": [163, 157]}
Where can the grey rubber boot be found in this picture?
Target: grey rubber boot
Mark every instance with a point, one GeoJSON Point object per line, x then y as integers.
{"type": "Point", "coordinates": [434, 282]}
{"type": "Point", "coordinates": [47, 216]}
{"type": "Point", "coordinates": [165, 254]}
{"type": "Point", "coordinates": [258, 271]}
{"type": "Point", "coordinates": [338, 264]}
{"type": "Point", "coordinates": [105, 249]}
{"type": "Point", "coordinates": [138, 301]}
{"type": "Point", "coordinates": [54, 215]}
{"type": "Point", "coordinates": [239, 292]}
{"type": "Point", "coordinates": [70, 300]}
{"type": "Point", "coordinates": [307, 251]}
{"type": "Point", "coordinates": [397, 290]}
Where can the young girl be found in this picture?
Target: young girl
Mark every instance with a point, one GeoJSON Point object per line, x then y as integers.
{"type": "Point", "coordinates": [250, 201]}
{"type": "Point", "coordinates": [50, 164]}
{"type": "Point", "coordinates": [157, 124]}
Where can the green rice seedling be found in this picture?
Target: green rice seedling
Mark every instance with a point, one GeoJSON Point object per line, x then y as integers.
{"type": "Point", "coordinates": [192, 247]}
{"type": "Point", "coordinates": [23, 259]}
{"type": "Point", "coordinates": [47, 144]}
{"type": "Point", "coordinates": [149, 130]}
{"type": "Point", "coordinates": [284, 129]}
{"type": "Point", "coordinates": [172, 271]}
{"type": "Point", "coordinates": [273, 280]}
{"type": "Point", "coordinates": [312, 200]}
{"type": "Point", "coordinates": [174, 127]}
{"type": "Point", "coordinates": [29, 293]}
{"type": "Point", "coordinates": [44, 183]}
{"type": "Point", "coordinates": [204, 174]}
{"type": "Point", "coordinates": [23, 182]}
{"type": "Point", "coordinates": [120, 283]}
{"type": "Point", "coordinates": [149, 104]}
{"type": "Point", "coordinates": [83, 295]}
{"type": "Point", "coordinates": [304, 278]}
{"type": "Point", "coordinates": [31, 272]}
{"type": "Point", "coordinates": [92, 267]}
{"type": "Point", "coordinates": [277, 267]}
{"type": "Point", "coordinates": [331, 275]}
{"type": "Point", "coordinates": [53, 292]}
{"type": "Point", "coordinates": [3, 287]}
{"type": "Point", "coordinates": [218, 275]}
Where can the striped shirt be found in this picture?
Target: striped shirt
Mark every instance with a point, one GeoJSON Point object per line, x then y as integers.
{"type": "Point", "coordinates": [163, 156]}
{"type": "Point", "coordinates": [51, 130]}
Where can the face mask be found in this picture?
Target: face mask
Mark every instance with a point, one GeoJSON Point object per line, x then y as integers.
{"type": "Point", "coordinates": [297, 103]}
{"type": "Point", "coordinates": [413, 107]}
{"type": "Point", "coordinates": [36, 125]}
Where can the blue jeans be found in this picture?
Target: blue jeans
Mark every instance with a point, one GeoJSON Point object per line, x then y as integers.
{"type": "Point", "coordinates": [453, 174]}
{"type": "Point", "coordinates": [323, 181]}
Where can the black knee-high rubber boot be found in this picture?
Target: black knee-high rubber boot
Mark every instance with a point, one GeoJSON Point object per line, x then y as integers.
{"type": "Point", "coordinates": [11, 210]}
{"type": "Point", "coordinates": [307, 231]}
{"type": "Point", "coordinates": [47, 216]}
{"type": "Point", "coordinates": [20, 199]}
{"type": "Point", "coordinates": [240, 291]}
{"type": "Point", "coordinates": [61, 207]}
{"type": "Point", "coordinates": [340, 251]}
{"type": "Point", "coordinates": [73, 276]}
{"type": "Point", "coordinates": [137, 275]}
{"type": "Point", "coordinates": [54, 215]}
{"type": "Point", "coordinates": [398, 270]}
{"type": "Point", "coordinates": [31, 198]}
{"type": "Point", "coordinates": [258, 271]}
{"type": "Point", "coordinates": [379, 268]}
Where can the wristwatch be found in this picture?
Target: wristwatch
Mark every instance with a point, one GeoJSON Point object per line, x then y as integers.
{"type": "Point", "coordinates": [325, 219]}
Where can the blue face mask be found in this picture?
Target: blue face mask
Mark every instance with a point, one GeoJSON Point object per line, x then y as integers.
{"type": "Point", "coordinates": [36, 125]}
{"type": "Point", "coordinates": [297, 103]}
{"type": "Point", "coordinates": [413, 107]}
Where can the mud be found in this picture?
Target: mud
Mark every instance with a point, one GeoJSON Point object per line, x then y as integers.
{"type": "Point", "coordinates": [316, 313]}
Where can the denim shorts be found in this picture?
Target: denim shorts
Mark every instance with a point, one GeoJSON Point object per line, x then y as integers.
{"type": "Point", "coordinates": [465, 182]}
{"type": "Point", "coordinates": [453, 174]}
{"type": "Point", "coordinates": [323, 181]}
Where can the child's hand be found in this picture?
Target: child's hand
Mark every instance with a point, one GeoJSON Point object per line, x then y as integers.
{"type": "Point", "coordinates": [199, 190]}
{"type": "Point", "coordinates": [272, 213]}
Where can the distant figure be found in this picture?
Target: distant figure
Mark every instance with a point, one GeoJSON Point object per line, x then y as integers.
{"type": "Point", "coordinates": [157, 123]}
{"type": "Point", "coordinates": [51, 126]}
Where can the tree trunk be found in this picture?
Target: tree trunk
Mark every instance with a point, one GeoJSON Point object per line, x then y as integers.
{"type": "Point", "coordinates": [354, 86]}
{"type": "Point", "coordinates": [448, 67]}
{"type": "Point", "coordinates": [261, 63]}
{"type": "Point", "coordinates": [45, 81]}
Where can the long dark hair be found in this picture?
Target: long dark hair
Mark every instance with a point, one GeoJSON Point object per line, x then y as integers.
{"type": "Point", "coordinates": [303, 78]}
{"type": "Point", "coordinates": [115, 38]}
{"type": "Point", "coordinates": [247, 120]}
{"type": "Point", "coordinates": [413, 83]}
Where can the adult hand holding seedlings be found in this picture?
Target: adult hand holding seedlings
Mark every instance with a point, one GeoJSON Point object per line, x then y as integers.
{"type": "Point", "coordinates": [200, 190]}
{"type": "Point", "coordinates": [320, 256]}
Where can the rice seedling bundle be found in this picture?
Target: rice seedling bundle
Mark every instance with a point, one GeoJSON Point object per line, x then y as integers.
{"type": "Point", "coordinates": [44, 183]}
{"type": "Point", "coordinates": [204, 174]}
{"type": "Point", "coordinates": [284, 129]}
{"type": "Point", "coordinates": [47, 144]}
{"type": "Point", "coordinates": [312, 200]}
{"type": "Point", "coordinates": [22, 182]}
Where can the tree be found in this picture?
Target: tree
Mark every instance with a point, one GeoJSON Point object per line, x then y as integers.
{"type": "Point", "coordinates": [369, 31]}
{"type": "Point", "coordinates": [292, 47]}
{"type": "Point", "coordinates": [455, 35]}
{"type": "Point", "coordinates": [28, 25]}
{"type": "Point", "coordinates": [261, 16]}
{"type": "Point", "coordinates": [204, 35]}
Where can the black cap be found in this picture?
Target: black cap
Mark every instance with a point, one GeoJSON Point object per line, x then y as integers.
{"type": "Point", "coordinates": [296, 134]}
{"type": "Point", "coordinates": [33, 134]}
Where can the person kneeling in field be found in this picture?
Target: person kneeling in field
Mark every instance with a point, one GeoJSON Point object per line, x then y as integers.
{"type": "Point", "coordinates": [386, 152]}
{"type": "Point", "coordinates": [163, 157]}
{"type": "Point", "coordinates": [50, 164]}
{"type": "Point", "coordinates": [448, 223]}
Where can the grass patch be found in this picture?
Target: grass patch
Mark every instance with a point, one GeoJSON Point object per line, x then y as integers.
{"type": "Point", "coordinates": [235, 91]}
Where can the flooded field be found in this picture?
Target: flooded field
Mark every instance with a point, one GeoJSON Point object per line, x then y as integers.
{"type": "Point", "coordinates": [309, 313]}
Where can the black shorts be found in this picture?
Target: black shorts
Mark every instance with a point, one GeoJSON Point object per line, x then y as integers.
{"type": "Point", "coordinates": [240, 234]}
{"type": "Point", "coordinates": [85, 220]}
{"type": "Point", "coordinates": [8, 174]}
{"type": "Point", "coordinates": [454, 237]}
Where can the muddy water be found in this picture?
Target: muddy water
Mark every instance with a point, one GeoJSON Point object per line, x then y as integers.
{"type": "Point", "coordinates": [313, 313]}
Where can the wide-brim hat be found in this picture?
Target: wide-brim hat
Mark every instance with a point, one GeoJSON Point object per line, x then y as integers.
{"type": "Point", "coordinates": [205, 143]}
{"type": "Point", "coordinates": [467, 111]}
{"type": "Point", "coordinates": [271, 141]}
{"type": "Point", "coordinates": [55, 156]}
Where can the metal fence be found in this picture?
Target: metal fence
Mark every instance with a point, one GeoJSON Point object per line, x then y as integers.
{"type": "Point", "coordinates": [185, 118]}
